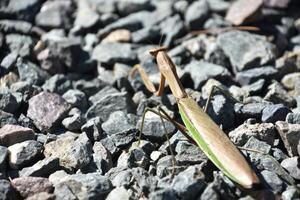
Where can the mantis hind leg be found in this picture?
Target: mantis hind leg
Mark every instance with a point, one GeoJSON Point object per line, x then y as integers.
{"type": "Point", "coordinates": [164, 115]}
{"type": "Point", "coordinates": [215, 88]}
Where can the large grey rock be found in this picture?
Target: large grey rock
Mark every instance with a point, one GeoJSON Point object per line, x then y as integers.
{"type": "Point", "coordinates": [20, 44]}
{"type": "Point", "coordinates": [42, 168]}
{"type": "Point", "coordinates": [265, 132]}
{"type": "Point", "coordinates": [290, 135]}
{"type": "Point", "coordinates": [110, 103]}
{"type": "Point", "coordinates": [246, 50]}
{"type": "Point", "coordinates": [12, 134]}
{"type": "Point", "coordinates": [58, 83]}
{"type": "Point", "coordinates": [196, 14]}
{"type": "Point", "coordinates": [109, 53]}
{"type": "Point", "coordinates": [272, 180]}
{"type": "Point", "coordinates": [292, 166]}
{"type": "Point", "coordinates": [30, 72]}
{"type": "Point", "coordinates": [201, 71]}
{"type": "Point", "coordinates": [81, 186]}
{"type": "Point", "coordinates": [46, 110]}
{"type": "Point", "coordinates": [274, 113]}
{"type": "Point", "coordinates": [24, 153]}
{"type": "Point", "coordinates": [118, 122]}
{"type": "Point", "coordinates": [76, 98]}
{"type": "Point", "coordinates": [55, 14]}
{"type": "Point", "coordinates": [189, 183]}
{"type": "Point", "coordinates": [277, 94]}
{"type": "Point", "coordinates": [249, 76]}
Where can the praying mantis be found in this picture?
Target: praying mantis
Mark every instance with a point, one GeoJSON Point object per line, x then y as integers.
{"type": "Point", "coordinates": [199, 127]}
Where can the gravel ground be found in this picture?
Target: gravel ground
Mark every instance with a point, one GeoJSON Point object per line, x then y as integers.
{"type": "Point", "coordinates": [70, 113]}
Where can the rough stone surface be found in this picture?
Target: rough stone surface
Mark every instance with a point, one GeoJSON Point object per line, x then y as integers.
{"type": "Point", "coordinates": [246, 50]}
{"type": "Point", "coordinates": [83, 186]}
{"type": "Point", "coordinates": [73, 153]}
{"type": "Point", "coordinates": [290, 135]}
{"type": "Point", "coordinates": [46, 109]}
{"type": "Point", "coordinates": [28, 186]}
{"type": "Point", "coordinates": [12, 134]}
{"type": "Point", "coordinates": [24, 154]}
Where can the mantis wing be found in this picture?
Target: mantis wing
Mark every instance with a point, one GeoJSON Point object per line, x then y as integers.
{"type": "Point", "coordinates": [215, 144]}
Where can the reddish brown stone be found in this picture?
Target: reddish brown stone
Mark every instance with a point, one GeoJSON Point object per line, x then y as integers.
{"type": "Point", "coordinates": [12, 134]}
{"type": "Point", "coordinates": [242, 11]}
{"type": "Point", "coordinates": [28, 186]}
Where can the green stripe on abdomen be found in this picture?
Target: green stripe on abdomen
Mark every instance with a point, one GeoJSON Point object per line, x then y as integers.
{"type": "Point", "coordinates": [203, 146]}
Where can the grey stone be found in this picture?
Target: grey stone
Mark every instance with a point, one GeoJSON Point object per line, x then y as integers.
{"type": "Point", "coordinates": [82, 186]}
{"type": "Point", "coordinates": [3, 161]}
{"type": "Point", "coordinates": [20, 44]}
{"type": "Point", "coordinates": [9, 60]}
{"type": "Point", "coordinates": [277, 94]}
{"type": "Point", "coordinates": [249, 76]}
{"type": "Point", "coordinates": [109, 53]}
{"type": "Point", "coordinates": [110, 103]}
{"type": "Point", "coordinates": [55, 14]}
{"type": "Point", "coordinates": [134, 158]}
{"type": "Point", "coordinates": [58, 83]}
{"type": "Point", "coordinates": [289, 133]}
{"type": "Point", "coordinates": [124, 139]}
{"type": "Point", "coordinates": [12, 134]}
{"type": "Point", "coordinates": [73, 153]}
{"type": "Point", "coordinates": [201, 71]}
{"type": "Point", "coordinates": [93, 129]}
{"type": "Point", "coordinates": [8, 102]}
{"type": "Point", "coordinates": [274, 113]}
{"type": "Point", "coordinates": [31, 73]}
{"type": "Point", "coordinates": [265, 132]}
{"type": "Point", "coordinates": [76, 98]}
{"type": "Point", "coordinates": [42, 168]}
{"type": "Point", "coordinates": [293, 118]}
{"type": "Point", "coordinates": [46, 109]}
{"type": "Point", "coordinates": [172, 28]}
{"type": "Point", "coordinates": [209, 193]}
{"type": "Point", "coordinates": [103, 156]}
{"type": "Point", "coordinates": [86, 16]}
{"type": "Point", "coordinates": [7, 191]}
{"type": "Point", "coordinates": [118, 193]}
{"type": "Point", "coordinates": [196, 14]}
{"type": "Point", "coordinates": [250, 110]}
{"type": "Point", "coordinates": [246, 50]}
{"type": "Point", "coordinates": [189, 183]}
{"type": "Point", "coordinates": [24, 154]}
{"type": "Point", "coordinates": [292, 166]}
{"type": "Point", "coordinates": [163, 194]}
{"type": "Point", "coordinates": [290, 193]}
{"type": "Point", "coordinates": [164, 166]}
{"type": "Point", "coordinates": [7, 118]}
{"type": "Point", "coordinates": [28, 186]}
{"type": "Point", "coordinates": [110, 145]}
{"type": "Point", "coordinates": [131, 6]}
{"type": "Point", "coordinates": [145, 145]}
{"type": "Point", "coordinates": [15, 26]}
{"type": "Point", "coordinates": [153, 127]}
{"type": "Point", "coordinates": [272, 180]}
{"type": "Point", "coordinates": [101, 93]}
{"type": "Point", "coordinates": [221, 110]}
{"type": "Point", "coordinates": [188, 153]}
{"type": "Point", "coordinates": [74, 121]}
{"type": "Point", "coordinates": [118, 122]}
{"type": "Point", "coordinates": [277, 3]}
